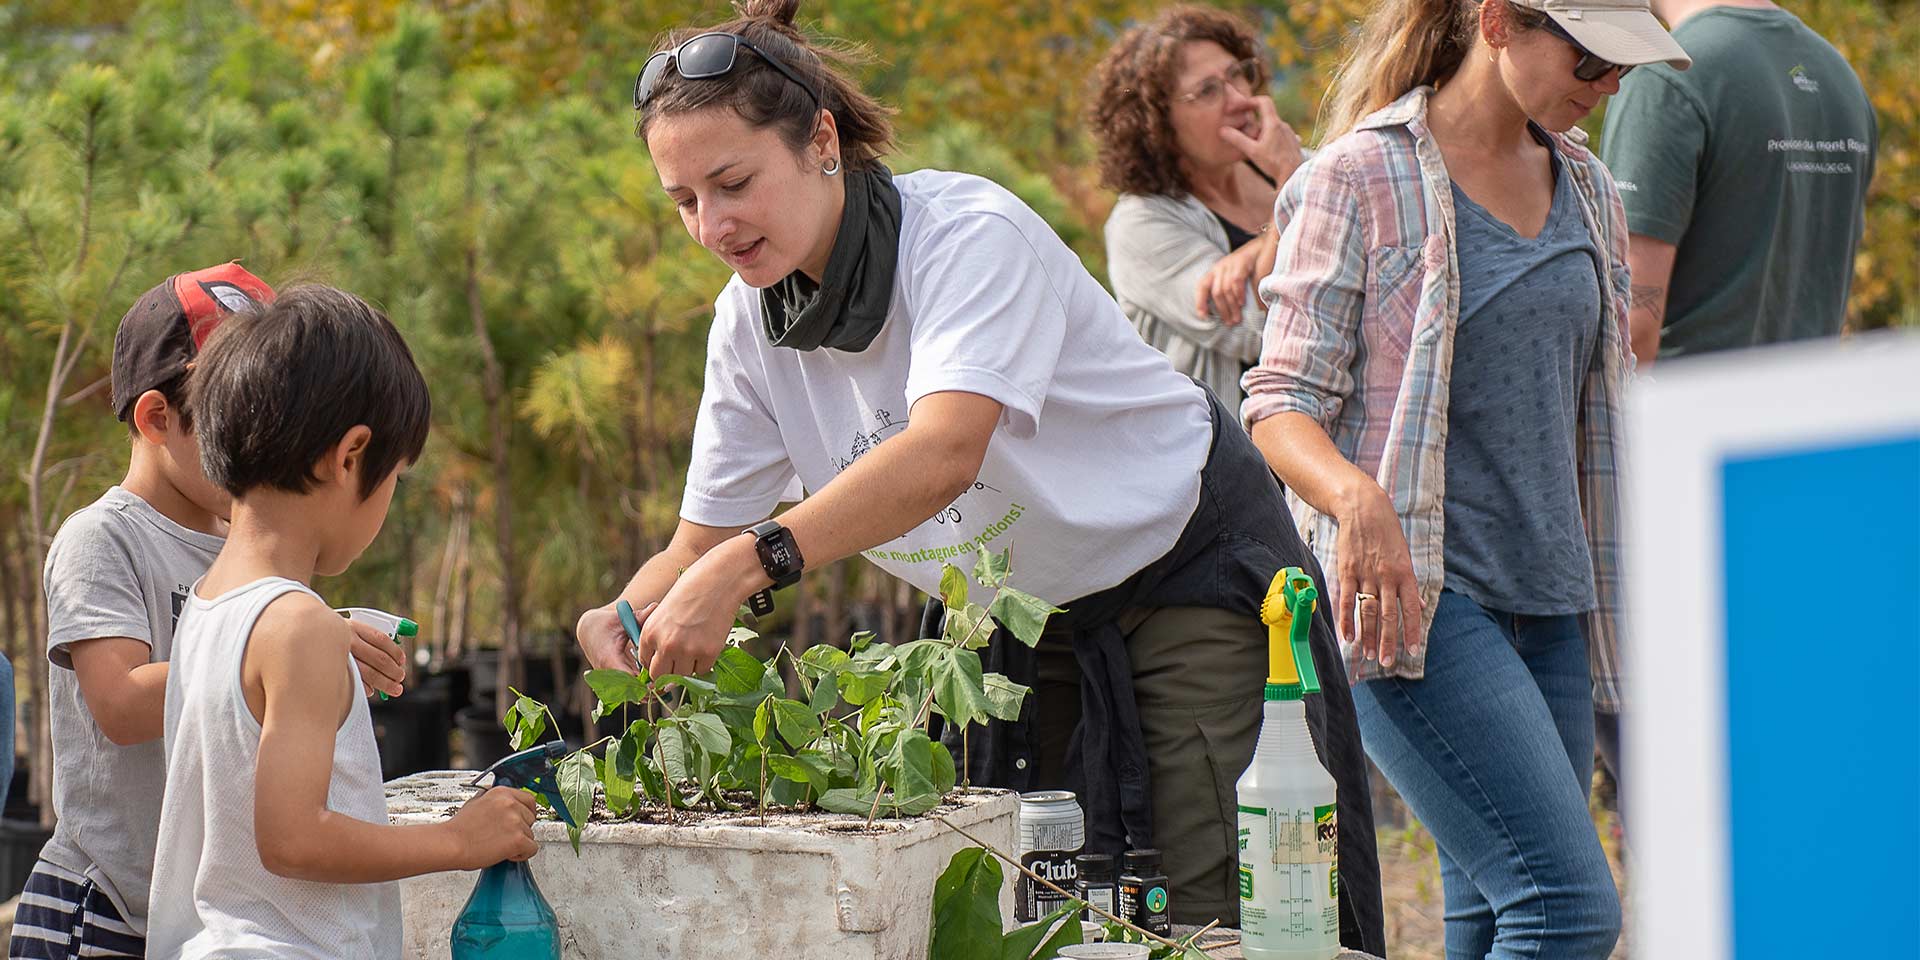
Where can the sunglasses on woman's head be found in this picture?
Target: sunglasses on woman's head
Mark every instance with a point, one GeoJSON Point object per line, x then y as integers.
{"type": "Point", "coordinates": [705, 57]}
{"type": "Point", "coordinates": [1589, 67]}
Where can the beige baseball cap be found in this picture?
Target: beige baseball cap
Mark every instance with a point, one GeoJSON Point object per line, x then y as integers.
{"type": "Point", "coordinates": [1620, 31]}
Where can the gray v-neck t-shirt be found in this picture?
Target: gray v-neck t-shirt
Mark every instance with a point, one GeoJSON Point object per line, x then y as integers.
{"type": "Point", "coordinates": [1529, 319]}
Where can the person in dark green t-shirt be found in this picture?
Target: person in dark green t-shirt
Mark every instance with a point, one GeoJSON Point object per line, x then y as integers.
{"type": "Point", "coordinates": [1744, 181]}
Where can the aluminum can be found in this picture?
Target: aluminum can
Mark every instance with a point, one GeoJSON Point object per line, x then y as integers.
{"type": "Point", "coordinates": [1053, 830]}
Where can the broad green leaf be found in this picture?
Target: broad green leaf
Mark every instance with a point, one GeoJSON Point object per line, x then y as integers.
{"type": "Point", "coordinates": [737, 671]}
{"type": "Point", "coordinates": [772, 684]}
{"type": "Point", "coordinates": [693, 685]}
{"type": "Point", "coordinates": [991, 568]}
{"type": "Point", "coordinates": [711, 733]}
{"type": "Point", "coordinates": [847, 800]}
{"type": "Point", "coordinates": [953, 586]}
{"type": "Point", "coordinates": [617, 775]}
{"type": "Point", "coordinates": [786, 793]}
{"type": "Point", "coordinates": [762, 718]}
{"type": "Point", "coordinates": [1024, 943]}
{"type": "Point", "coordinates": [674, 748]}
{"type": "Point", "coordinates": [959, 687]}
{"type": "Point", "coordinates": [859, 641]}
{"type": "Point", "coordinates": [870, 713]}
{"type": "Point", "coordinates": [945, 774]}
{"type": "Point", "coordinates": [826, 695]}
{"type": "Point", "coordinates": [1023, 615]}
{"type": "Point", "coordinates": [819, 763]}
{"type": "Point", "coordinates": [1004, 697]}
{"type": "Point", "coordinates": [911, 806]}
{"type": "Point", "coordinates": [876, 656]}
{"type": "Point", "coordinates": [916, 656]}
{"type": "Point", "coordinates": [615, 688]}
{"type": "Point", "coordinates": [821, 660]}
{"type": "Point", "coordinates": [793, 768]}
{"type": "Point", "coordinates": [650, 780]}
{"type": "Point", "coordinates": [909, 771]}
{"type": "Point", "coordinates": [526, 722]}
{"type": "Point", "coordinates": [968, 626]}
{"type": "Point", "coordinates": [576, 789]}
{"type": "Point", "coordinates": [711, 790]}
{"type": "Point", "coordinates": [862, 686]}
{"type": "Point", "coordinates": [798, 724]}
{"type": "Point", "coordinates": [966, 908]}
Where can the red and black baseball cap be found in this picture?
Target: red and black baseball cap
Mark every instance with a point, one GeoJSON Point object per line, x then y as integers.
{"type": "Point", "coordinates": [164, 331]}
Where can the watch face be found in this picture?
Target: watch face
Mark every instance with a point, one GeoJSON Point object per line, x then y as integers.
{"type": "Point", "coordinates": [781, 553]}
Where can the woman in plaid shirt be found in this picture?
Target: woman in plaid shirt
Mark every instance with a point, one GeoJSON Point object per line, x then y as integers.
{"type": "Point", "coordinates": [1439, 388]}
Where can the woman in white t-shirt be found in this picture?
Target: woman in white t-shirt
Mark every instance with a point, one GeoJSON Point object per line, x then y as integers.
{"type": "Point", "coordinates": [937, 371]}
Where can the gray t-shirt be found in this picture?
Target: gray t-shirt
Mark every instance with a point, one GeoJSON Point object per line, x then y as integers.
{"type": "Point", "coordinates": [1754, 164]}
{"type": "Point", "coordinates": [117, 568]}
{"type": "Point", "coordinates": [1529, 317]}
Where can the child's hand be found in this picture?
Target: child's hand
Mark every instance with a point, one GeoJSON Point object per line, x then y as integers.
{"type": "Point", "coordinates": [495, 826]}
{"type": "Point", "coordinates": [383, 663]}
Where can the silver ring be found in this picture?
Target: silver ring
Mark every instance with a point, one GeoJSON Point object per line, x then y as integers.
{"type": "Point", "coordinates": [832, 169]}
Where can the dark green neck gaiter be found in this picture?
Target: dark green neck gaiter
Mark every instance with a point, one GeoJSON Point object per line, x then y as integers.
{"type": "Point", "coordinates": [846, 310]}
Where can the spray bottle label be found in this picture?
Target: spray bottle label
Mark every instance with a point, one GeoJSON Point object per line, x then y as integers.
{"type": "Point", "coordinates": [1289, 884]}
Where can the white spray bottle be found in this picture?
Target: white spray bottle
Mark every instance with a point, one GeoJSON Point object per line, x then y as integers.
{"type": "Point", "coordinates": [1289, 830]}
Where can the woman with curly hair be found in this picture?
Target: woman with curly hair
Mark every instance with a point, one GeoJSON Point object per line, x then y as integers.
{"type": "Point", "coordinates": [1197, 151]}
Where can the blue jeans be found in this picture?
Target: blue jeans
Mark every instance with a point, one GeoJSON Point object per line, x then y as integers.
{"type": "Point", "coordinates": [1493, 751]}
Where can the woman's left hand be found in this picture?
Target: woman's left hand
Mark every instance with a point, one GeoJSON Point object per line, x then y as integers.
{"type": "Point", "coordinates": [1276, 150]}
{"type": "Point", "coordinates": [686, 632]}
{"type": "Point", "coordinates": [1222, 290]}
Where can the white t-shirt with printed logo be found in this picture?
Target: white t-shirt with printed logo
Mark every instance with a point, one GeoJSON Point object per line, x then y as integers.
{"type": "Point", "coordinates": [1094, 469]}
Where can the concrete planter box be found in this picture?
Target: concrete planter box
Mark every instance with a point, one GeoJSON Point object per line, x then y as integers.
{"type": "Point", "coordinates": [719, 885]}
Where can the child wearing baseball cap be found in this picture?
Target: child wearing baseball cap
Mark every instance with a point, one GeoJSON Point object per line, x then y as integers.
{"type": "Point", "coordinates": [117, 575]}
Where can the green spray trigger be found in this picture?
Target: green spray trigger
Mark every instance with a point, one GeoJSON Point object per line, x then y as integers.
{"type": "Point", "coordinates": [533, 769]}
{"type": "Point", "coordinates": [1302, 597]}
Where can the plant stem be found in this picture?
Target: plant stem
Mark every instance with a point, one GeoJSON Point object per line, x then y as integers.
{"type": "Point", "coordinates": [660, 755]}
{"type": "Point", "coordinates": [1049, 884]}
{"type": "Point", "coordinates": [660, 760]}
{"type": "Point", "coordinates": [925, 713]}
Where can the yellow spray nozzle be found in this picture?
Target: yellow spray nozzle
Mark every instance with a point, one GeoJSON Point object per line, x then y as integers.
{"type": "Point", "coordinates": [1287, 610]}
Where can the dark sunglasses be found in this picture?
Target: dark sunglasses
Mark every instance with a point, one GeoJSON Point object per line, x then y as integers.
{"type": "Point", "coordinates": [704, 57]}
{"type": "Point", "coordinates": [1589, 67]}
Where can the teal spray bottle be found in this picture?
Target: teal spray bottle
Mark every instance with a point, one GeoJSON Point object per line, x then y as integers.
{"type": "Point", "coordinates": [1289, 830]}
{"type": "Point", "coordinates": [506, 918]}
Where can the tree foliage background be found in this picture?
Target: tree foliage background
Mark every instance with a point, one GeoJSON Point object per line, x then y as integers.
{"type": "Point", "coordinates": [471, 166]}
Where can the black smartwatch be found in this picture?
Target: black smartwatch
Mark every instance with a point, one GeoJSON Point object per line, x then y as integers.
{"type": "Point", "coordinates": [779, 557]}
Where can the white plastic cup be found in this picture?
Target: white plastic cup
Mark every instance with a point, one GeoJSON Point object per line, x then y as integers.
{"type": "Point", "coordinates": [1105, 951]}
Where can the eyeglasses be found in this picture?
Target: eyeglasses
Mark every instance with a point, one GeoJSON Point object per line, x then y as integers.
{"type": "Point", "coordinates": [1589, 67]}
{"type": "Point", "coordinates": [704, 57]}
{"type": "Point", "coordinates": [1240, 76]}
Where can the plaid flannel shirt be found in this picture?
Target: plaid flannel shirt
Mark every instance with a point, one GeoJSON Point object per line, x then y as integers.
{"type": "Point", "coordinates": [1364, 299]}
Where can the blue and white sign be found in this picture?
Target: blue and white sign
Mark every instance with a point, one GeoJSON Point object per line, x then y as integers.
{"type": "Point", "coordinates": [1773, 724]}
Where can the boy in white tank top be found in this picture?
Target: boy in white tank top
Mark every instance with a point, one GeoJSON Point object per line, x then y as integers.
{"type": "Point", "coordinates": [274, 840]}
